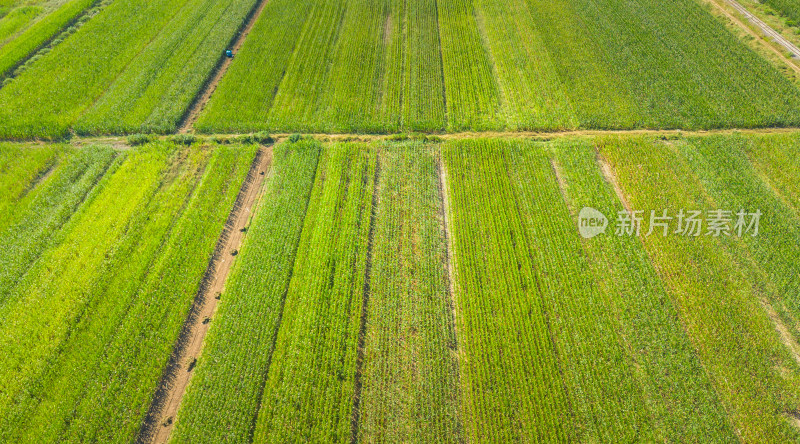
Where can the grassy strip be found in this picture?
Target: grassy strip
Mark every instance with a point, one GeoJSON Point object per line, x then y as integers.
{"type": "Point", "coordinates": [471, 90]}
{"type": "Point", "coordinates": [606, 399]}
{"type": "Point", "coordinates": [38, 226]}
{"type": "Point", "coordinates": [231, 371]}
{"type": "Point", "coordinates": [410, 372]}
{"type": "Point", "coordinates": [422, 94]}
{"type": "Point", "coordinates": [510, 371]}
{"type": "Point", "coordinates": [677, 390]}
{"type": "Point", "coordinates": [534, 96]}
{"type": "Point", "coordinates": [306, 77]}
{"type": "Point", "coordinates": [754, 376]}
{"type": "Point", "coordinates": [44, 307]}
{"type": "Point", "coordinates": [353, 100]}
{"type": "Point", "coordinates": [309, 391]}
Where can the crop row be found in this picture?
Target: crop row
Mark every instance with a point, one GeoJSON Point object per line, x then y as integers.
{"type": "Point", "coordinates": [718, 285]}
{"type": "Point", "coordinates": [329, 367]}
{"type": "Point", "coordinates": [535, 332]}
{"type": "Point", "coordinates": [459, 65]}
{"type": "Point", "coordinates": [136, 66]}
{"type": "Point", "coordinates": [410, 390]}
{"type": "Point", "coordinates": [309, 390]}
{"type": "Point", "coordinates": [96, 347]}
{"type": "Point", "coordinates": [225, 391]}
{"type": "Point", "coordinates": [677, 391]}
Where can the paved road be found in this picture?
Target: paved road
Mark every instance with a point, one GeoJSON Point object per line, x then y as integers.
{"type": "Point", "coordinates": [766, 29]}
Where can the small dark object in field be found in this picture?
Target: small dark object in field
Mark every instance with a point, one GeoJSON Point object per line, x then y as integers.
{"type": "Point", "coordinates": [243, 230]}
{"type": "Point", "coordinates": [234, 252]}
{"type": "Point", "coordinates": [229, 54]}
{"type": "Point", "coordinates": [168, 422]}
{"type": "Point", "coordinates": [218, 296]}
{"type": "Point", "coordinates": [261, 173]}
{"type": "Point", "coordinates": [191, 366]}
{"type": "Point", "coordinates": [206, 321]}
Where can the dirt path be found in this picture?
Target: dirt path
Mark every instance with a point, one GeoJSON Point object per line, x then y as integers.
{"type": "Point", "coordinates": [160, 418]}
{"type": "Point", "coordinates": [120, 142]}
{"type": "Point", "coordinates": [222, 66]}
{"type": "Point", "coordinates": [764, 28]}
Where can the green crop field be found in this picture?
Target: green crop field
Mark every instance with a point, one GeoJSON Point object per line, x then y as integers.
{"type": "Point", "coordinates": [398, 221]}
{"type": "Point", "coordinates": [517, 65]}
{"type": "Point", "coordinates": [404, 291]}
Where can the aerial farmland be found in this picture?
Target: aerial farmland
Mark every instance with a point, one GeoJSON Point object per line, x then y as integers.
{"type": "Point", "coordinates": [392, 221]}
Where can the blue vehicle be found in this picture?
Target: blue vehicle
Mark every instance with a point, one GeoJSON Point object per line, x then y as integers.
{"type": "Point", "coordinates": [229, 53]}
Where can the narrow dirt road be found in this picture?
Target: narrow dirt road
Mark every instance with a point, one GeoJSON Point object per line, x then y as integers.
{"type": "Point", "coordinates": [161, 417]}
{"type": "Point", "coordinates": [766, 29]}
{"type": "Point", "coordinates": [225, 62]}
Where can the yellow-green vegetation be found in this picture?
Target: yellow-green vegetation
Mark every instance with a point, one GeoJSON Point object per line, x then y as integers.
{"type": "Point", "coordinates": [404, 291]}
{"type": "Point", "coordinates": [349, 66]}
{"type": "Point", "coordinates": [719, 295]}
{"type": "Point", "coordinates": [112, 294]}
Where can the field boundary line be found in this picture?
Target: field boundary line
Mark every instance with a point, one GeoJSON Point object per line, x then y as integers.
{"type": "Point", "coordinates": [187, 121]}
{"type": "Point", "coordinates": [449, 247]}
{"type": "Point", "coordinates": [355, 417]}
{"type": "Point", "coordinates": [608, 174]}
{"type": "Point", "coordinates": [119, 141]}
{"type": "Point", "coordinates": [765, 28]}
{"type": "Point", "coordinates": [159, 421]}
